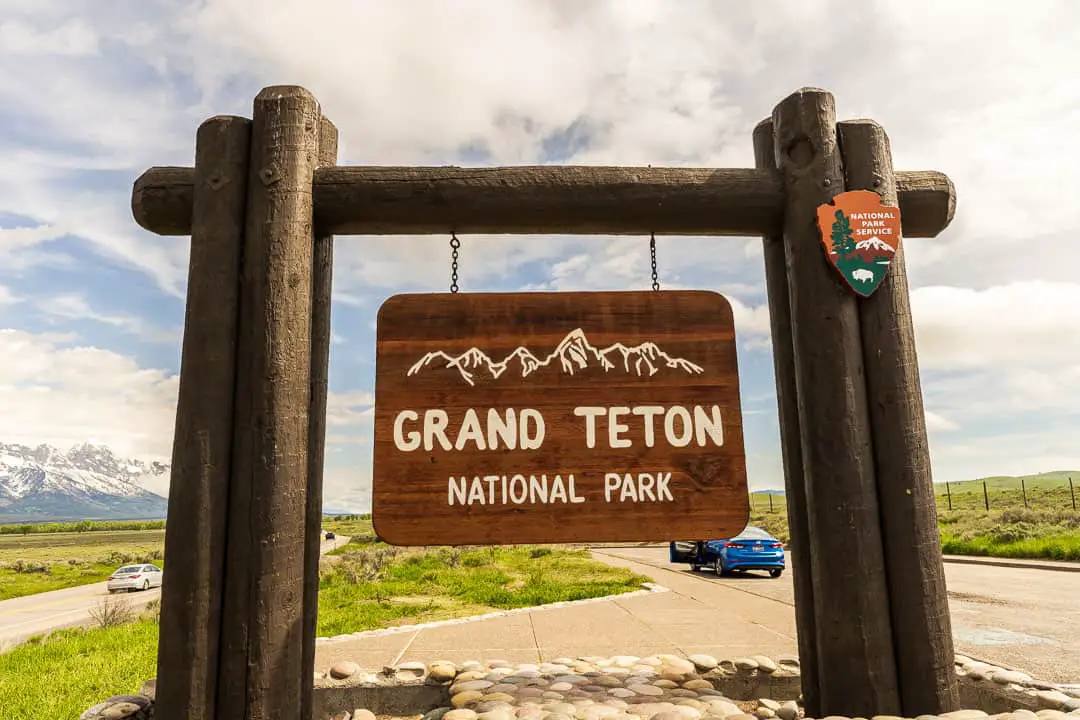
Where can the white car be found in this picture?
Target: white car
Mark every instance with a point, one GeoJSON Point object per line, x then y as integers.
{"type": "Point", "coordinates": [135, 577]}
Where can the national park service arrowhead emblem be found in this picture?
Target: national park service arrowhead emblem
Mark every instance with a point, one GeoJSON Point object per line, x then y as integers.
{"type": "Point", "coordinates": [860, 236]}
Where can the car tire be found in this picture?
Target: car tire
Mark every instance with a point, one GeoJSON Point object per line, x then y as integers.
{"type": "Point", "coordinates": [695, 568]}
{"type": "Point", "coordinates": [146, 585]}
{"type": "Point", "coordinates": [776, 573]}
{"type": "Point", "coordinates": [720, 570]}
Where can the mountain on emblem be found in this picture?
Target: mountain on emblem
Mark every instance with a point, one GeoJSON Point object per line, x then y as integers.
{"type": "Point", "coordinates": [573, 355]}
{"type": "Point", "coordinates": [861, 236]}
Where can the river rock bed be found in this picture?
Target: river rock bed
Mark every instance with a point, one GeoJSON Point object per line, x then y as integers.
{"type": "Point", "coordinates": [622, 687]}
{"type": "Point", "coordinates": [667, 687]}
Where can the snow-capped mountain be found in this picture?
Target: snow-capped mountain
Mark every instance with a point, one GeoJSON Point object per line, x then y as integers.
{"type": "Point", "coordinates": [874, 244]}
{"type": "Point", "coordinates": [86, 482]}
{"type": "Point", "coordinates": [574, 353]}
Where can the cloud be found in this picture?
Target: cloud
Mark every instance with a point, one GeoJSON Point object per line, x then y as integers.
{"type": "Point", "coordinates": [54, 391]}
{"type": "Point", "coordinates": [73, 307]}
{"type": "Point", "coordinates": [1027, 323]}
{"type": "Point", "coordinates": [22, 248]}
{"type": "Point", "coordinates": [1006, 349]}
{"type": "Point", "coordinates": [939, 423]}
{"type": "Point", "coordinates": [7, 297]}
{"type": "Point", "coordinates": [73, 38]}
{"type": "Point", "coordinates": [349, 409]}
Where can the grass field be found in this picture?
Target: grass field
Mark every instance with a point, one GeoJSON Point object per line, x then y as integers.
{"type": "Point", "coordinates": [368, 586]}
{"type": "Point", "coordinates": [39, 562]}
{"type": "Point", "coordinates": [73, 669]}
{"type": "Point", "coordinates": [1029, 517]}
{"type": "Point", "coordinates": [374, 585]}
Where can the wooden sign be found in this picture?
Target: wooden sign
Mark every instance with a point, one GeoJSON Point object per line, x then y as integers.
{"type": "Point", "coordinates": [860, 236]}
{"type": "Point", "coordinates": [515, 418]}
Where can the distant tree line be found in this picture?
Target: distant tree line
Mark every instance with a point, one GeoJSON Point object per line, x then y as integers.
{"type": "Point", "coordinates": [80, 526]}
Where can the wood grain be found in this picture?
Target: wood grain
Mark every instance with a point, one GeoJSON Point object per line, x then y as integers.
{"type": "Point", "coordinates": [707, 484]}
{"type": "Point", "coordinates": [791, 449]}
{"type": "Point", "coordinates": [195, 535]}
{"type": "Point", "coordinates": [857, 671]}
{"type": "Point", "coordinates": [922, 629]}
{"type": "Point", "coordinates": [322, 274]}
{"type": "Point", "coordinates": [363, 200]}
{"type": "Point", "coordinates": [262, 668]}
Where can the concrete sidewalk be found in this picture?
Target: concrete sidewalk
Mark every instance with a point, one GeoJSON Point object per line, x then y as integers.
{"type": "Point", "coordinates": [1012, 617]}
{"type": "Point", "coordinates": [688, 617]}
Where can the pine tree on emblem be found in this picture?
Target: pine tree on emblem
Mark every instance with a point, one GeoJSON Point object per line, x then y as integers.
{"type": "Point", "coordinates": [843, 242]}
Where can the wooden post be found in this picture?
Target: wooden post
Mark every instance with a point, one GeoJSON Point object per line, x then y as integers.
{"type": "Point", "coordinates": [321, 287]}
{"type": "Point", "coordinates": [857, 669]}
{"type": "Point", "coordinates": [986, 496]}
{"type": "Point", "coordinates": [1023, 491]}
{"type": "Point", "coordinates": [922, 629]}
{"type": "Point", "coordinates": [948, 494]}
{"type": "Point", "coordinates": [1072, 494]}
{"type": "Point", "coordinates": [770, 503]}
{"type": "Point", "coordinates": [202, 447]}
{"type": "Point", "coordinates": [791, 449]}
{"type": "Point", "coordinates": [261, 670]}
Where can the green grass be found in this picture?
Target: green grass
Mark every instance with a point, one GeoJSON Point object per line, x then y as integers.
{"type": "Point", "coordinates": [62, 676]}
{"type": "Point", "coordinates": [1051, 547]}
{"type": "Point", "coordinates": [40, 562]}
{"type": "Point", "coordinates": [374, 585]}
{"type": "Point", "coordinates": [1044, 527]}
{"type": "Point", "coordinates": [369, 586]}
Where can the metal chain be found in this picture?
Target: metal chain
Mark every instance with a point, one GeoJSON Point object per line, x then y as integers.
{"type": "Point", "coordinates": [652, 252]}
{"type": "Point", "coordinates": [454, 245]}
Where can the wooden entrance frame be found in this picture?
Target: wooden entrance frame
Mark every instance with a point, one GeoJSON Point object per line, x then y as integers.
{"type": "Point", "coordinates": [262, 205]}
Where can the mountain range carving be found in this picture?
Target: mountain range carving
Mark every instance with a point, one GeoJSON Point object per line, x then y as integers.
{"type": "Point", "coordinates": [573, 354]}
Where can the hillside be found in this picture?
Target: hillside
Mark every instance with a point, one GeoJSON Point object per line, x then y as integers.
{"type": "Point", "coordinates": [1040, 481]}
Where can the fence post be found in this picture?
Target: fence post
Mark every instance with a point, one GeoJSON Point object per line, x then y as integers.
{"type": "Point", "coordinates": [1072, 494]}
{"type": "Point", "coordinates": [986, 496]}
{"type": "Point", "coordinates": [857, 666]}
{"type": "Point", "coordinates": [787, 399]}
{"type": "Point", "coordinates": [195, 534]}
{"type": "Point", "coordinates": [261, 663]}
{"type": "Point", "coordinates": [770, 503]}
{"type": "Point", "coordinates": [948, 493]}
{"type": "Point", "coordinates": [1023, 491]}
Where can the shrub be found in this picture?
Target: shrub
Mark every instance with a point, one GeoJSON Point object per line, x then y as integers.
{"type": "Point", "coordinates": [111, 612]}
{"type": "Point", "coordinates": [152, 610]}
{"type": "Point", "coordinates": [28, 567]}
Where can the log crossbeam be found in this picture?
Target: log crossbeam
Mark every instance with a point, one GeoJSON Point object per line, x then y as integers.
{"type": "Point", "coordinates": [526, 200]}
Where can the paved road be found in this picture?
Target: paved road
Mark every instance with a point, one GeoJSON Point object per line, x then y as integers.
{"type": "Point", "coordinates": [1023, 618]}
{"type": "Point", "coordinates": [24, 617]}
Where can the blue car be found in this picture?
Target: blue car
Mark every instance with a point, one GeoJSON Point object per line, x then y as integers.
{"type": "Point", "coordinates": [752, 549]}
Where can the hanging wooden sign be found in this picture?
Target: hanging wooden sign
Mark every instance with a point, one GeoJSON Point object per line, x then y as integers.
{"type": "Point", "coordinates": [514, 418]}
{"type": "Point", "coordinates": [860, 236]}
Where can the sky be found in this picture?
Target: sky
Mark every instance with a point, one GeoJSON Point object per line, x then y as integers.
{"type": "Point", "coordinates": [92, 94]}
